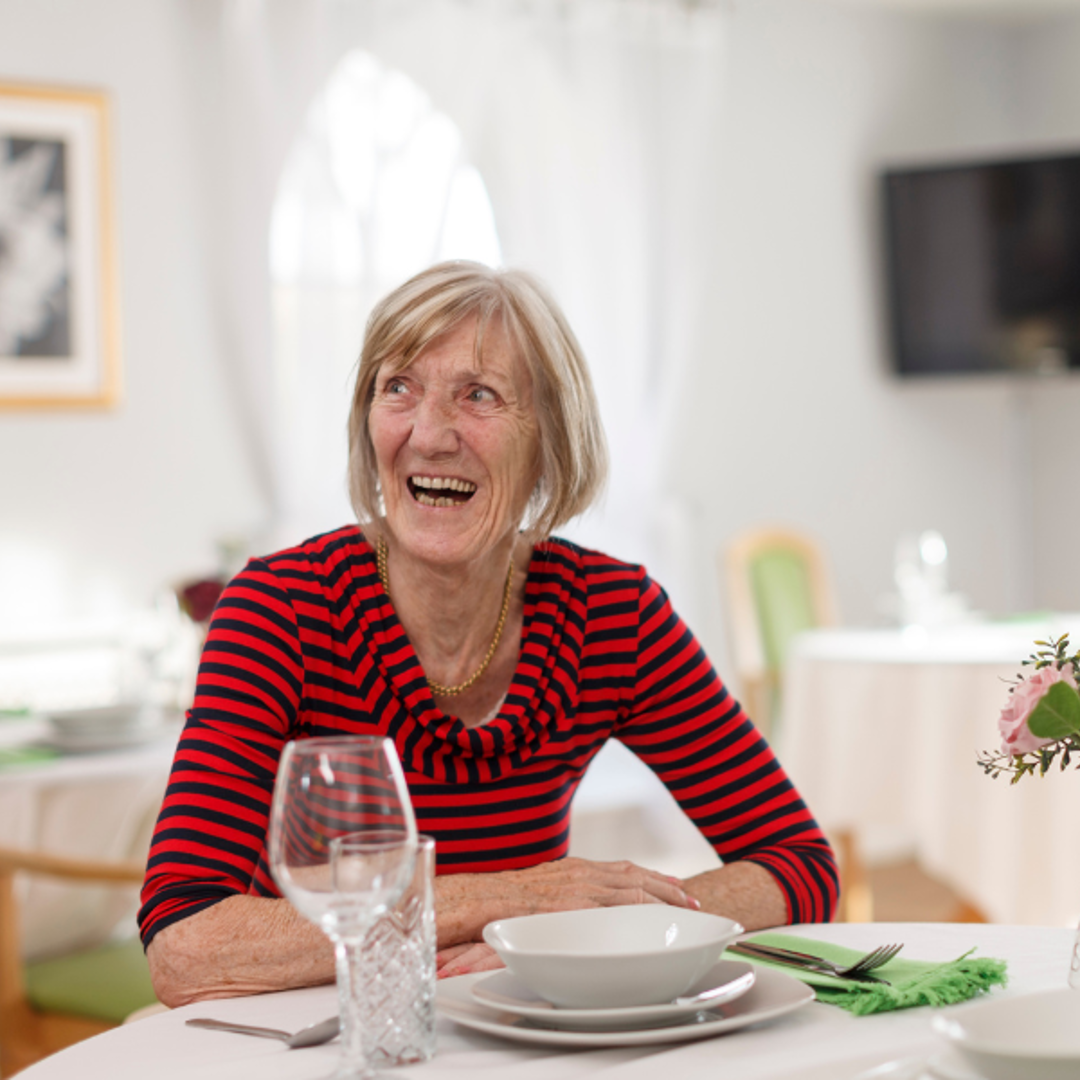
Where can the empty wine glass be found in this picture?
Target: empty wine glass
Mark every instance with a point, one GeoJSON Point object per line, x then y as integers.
{"type": "Point", "coordinates": [342, 849]}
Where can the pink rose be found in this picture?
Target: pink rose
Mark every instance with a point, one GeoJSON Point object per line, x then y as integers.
{"type": "Point", "coordinates": [1022, 701]}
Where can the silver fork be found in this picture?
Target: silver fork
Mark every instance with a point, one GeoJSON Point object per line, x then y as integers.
{"type": "Point", "coordinates": [874, 959]}
{"type": "Point", "coordinates": [860, 969]}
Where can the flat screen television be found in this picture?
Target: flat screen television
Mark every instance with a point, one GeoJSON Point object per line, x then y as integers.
{"type": "Point", "coordinates": [983, 266]}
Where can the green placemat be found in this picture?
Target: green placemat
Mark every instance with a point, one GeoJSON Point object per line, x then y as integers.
{"type": "Point", "coordinates": [15, 756]}
{"type": "Point", "coordinates": [913, 982]}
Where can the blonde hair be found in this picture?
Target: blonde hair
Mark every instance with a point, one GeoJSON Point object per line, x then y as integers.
{"type": "Point", "coordinates": [573, 452]}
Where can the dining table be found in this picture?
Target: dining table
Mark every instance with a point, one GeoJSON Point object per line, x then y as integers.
{"type": "Point", "coordinates": [98, 804]}
{"type": "Point", "coordinates": [880, 732]}
{"type": "Point", "coordinates": [816, 1041]}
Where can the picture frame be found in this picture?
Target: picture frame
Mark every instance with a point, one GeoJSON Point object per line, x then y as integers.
{"type": "Point", "coordinates": [59, 312]}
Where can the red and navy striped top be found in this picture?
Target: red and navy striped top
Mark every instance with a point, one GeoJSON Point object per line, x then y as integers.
{"type": "Point", "coordinates": [306, 643]}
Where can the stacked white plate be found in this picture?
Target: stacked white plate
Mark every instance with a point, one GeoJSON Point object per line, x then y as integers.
{"type": "Point", "coordinates": [106, 727]}
{"type": "Point", "coordinates": [497, 1003]}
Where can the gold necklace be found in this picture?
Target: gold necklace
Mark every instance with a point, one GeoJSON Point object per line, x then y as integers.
{"type": "Point", "coordinates": [381, 556]}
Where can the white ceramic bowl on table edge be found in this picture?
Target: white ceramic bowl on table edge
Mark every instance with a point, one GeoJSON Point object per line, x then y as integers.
{"type": "Point", "coordinates": [1032, 1037]}
{"type": "Point", "coordinates": [112, 719]}
{"type": "Point", "coordinates": [105, 727]}
{"type": "Point", "coordinates": [613, 957]}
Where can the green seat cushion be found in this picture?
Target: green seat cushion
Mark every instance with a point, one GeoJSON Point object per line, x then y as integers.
{"type": "Point", "coordinates": [107, 983]}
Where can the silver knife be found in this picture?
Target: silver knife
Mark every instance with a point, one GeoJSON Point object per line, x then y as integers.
{"type": "Point", "coordinates": [804, 961]}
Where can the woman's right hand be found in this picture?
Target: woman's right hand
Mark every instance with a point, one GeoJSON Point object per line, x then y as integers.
{"type": "Point", "coordinates": [465, 903]}
{"type": "Point", "coordinates": [571, 884]}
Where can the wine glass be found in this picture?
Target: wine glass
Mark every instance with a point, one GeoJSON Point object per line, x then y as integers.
{"type": "Point", "coordinates": [342, 849]}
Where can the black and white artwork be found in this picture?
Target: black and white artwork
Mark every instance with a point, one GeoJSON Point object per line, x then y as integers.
{"type": "Point", "coordinates": [35, 285]}
{"type": "Point", "coordinates": [57, 280]}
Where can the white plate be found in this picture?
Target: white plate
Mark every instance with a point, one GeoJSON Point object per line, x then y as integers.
{"type": "Point", "coordinates": [501, 990]}
{"type": "Point", "coordinates": [89, 741]}
{"type": "Point", "coordinates": [111, 727]}
{"type": "Point", "coordinates": [772, 995]}
{"type": "Point", "coordinates": [943, 1066]}
{"type": "Point", "coordinates": [120, 717]}
{"type": "Point", "coordinates": [1026, 1037]}
{"type": "Point", "coordinates": [948, 1066]}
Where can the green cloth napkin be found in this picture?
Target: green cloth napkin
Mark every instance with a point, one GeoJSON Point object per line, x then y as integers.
{"type": "Point", "coordinates": [913, 982]}
{"type": "Point", "coordinates": [13, 756]}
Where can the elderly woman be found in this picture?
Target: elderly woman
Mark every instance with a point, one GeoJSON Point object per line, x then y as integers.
{"type": "Point", "coordinates": [498, 658]}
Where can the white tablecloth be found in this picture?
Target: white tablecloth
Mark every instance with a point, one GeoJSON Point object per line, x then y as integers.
{"type": "Point", "coordinates": [90, 806]}
{"type": "Point", "coordinates": [818, 1042]}
{"type": "Point", "coordinates": [880, 734]}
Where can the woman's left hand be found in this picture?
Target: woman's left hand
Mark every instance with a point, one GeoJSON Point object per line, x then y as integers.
{"type": "Point", "coordinates": [465, 959]}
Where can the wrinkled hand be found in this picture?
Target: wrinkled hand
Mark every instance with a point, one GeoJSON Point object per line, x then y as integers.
{"type": "Point", "coordinates": [572, 884]}
{"type": "Point", "coordinates": [465, 903]}
{"type": "Point", "coordinates": [465, 959]}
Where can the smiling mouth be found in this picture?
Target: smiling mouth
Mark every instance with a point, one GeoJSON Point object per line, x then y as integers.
{"type": "Point", "coordinates": [440, 490]}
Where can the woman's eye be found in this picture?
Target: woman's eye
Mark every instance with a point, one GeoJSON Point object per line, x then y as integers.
{"type": "Point", "coordinates": [394, 386]}
{"type": "Point", "coordinates": [481, 395]}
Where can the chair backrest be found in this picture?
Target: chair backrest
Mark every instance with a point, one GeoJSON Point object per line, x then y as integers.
{"type": "Point", "coordinates": [777, 585]}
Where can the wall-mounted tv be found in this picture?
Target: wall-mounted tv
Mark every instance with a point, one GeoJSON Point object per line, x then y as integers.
{"type": "Point", "coordinates": [983, 266]}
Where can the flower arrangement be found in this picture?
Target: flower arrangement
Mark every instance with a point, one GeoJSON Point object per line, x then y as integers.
{"type": "Point", "coordinates": [1040, 724]}
{"type": "Point", "coordinates": [198, 598]}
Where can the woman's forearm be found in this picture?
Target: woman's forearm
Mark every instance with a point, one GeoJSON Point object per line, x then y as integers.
{"type": "Point", "coordinates": [254, 944]}
{"type": "Point", "coordinates": [743, 891]}
{"type": "Point", "coordinates": [242, 945]}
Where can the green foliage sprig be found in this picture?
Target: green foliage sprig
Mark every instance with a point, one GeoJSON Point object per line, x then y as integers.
{"type": "Point", "coordinates": [1055, 716]}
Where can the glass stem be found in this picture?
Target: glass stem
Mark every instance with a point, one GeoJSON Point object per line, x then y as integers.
{"type": "Point", "coordinates": [354, 1063]}
{"type": "Point", "coordinates": [1074, 966]}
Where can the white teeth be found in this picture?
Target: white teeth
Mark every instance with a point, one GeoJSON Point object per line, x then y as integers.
{"type": "Point", "coordinates": [429, 500]}
{"type": "Point", "coordinates": [440, 483]}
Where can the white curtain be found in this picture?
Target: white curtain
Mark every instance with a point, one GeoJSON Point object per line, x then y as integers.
{"type": "Point", "coordinates": [594, 125]}
{"type": "Point", "coordinates": [376, 187]}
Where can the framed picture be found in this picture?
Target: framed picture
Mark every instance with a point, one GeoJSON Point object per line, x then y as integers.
{"type": "Point", "coordinates": [59, 326]}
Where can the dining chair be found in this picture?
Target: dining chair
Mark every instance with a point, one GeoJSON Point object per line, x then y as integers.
{"type": "Point", "coordinates": [778, 584]}
{"type": "Point", "coordinates": [49, 1004]}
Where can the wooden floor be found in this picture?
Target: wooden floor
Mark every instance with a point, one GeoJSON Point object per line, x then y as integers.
{"type": "Point", "coordinates": [904, 892]}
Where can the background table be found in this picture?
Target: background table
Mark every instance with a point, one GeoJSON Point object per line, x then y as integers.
{"type": "Point", "coordinates": [92, 806]}
{"type": "Point", "coordinates": [880, 733]}
{"type": "Point", "coordinates": [818, 1042]}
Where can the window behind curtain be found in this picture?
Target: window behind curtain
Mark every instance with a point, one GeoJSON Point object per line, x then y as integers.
{"type": "Point", "coordinates": [377, 186]}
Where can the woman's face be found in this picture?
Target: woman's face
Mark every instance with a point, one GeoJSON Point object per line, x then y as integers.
{"type": "Point", "coordinates": [457, 446]}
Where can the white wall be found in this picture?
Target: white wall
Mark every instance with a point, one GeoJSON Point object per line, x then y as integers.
{"type": "Point", "coordinates": [1050, 117]}
{"type": "Point", "coordinates": [115, 503]}
{"type": "Point", "coordinates": [794, 418]}
{"type": "Point", "coordinates": [791, 416]}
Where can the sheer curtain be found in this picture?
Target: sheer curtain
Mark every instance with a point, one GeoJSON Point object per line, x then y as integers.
{"type": "Point", "coordinates": [375, 188]}
{"type": "Point", "coordinates": [593, 125]}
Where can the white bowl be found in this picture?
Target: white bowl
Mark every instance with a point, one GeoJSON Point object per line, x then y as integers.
{"type": "Point", "coordinates": [1033, 1037]}
{"type": "Point", "coordinates": [114, 719]}
{"type": "Point", "coordinates": [615, 957]}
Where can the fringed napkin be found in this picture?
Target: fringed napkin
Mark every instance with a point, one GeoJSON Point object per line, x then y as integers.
{"type": "Point", "coordinates": [912, 982]}
{"type": "Point", "coordinates": [25, 755]}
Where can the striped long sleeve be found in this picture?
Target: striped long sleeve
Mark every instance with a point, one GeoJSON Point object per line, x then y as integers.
{"type": "Point", "coordinates": [306, 643]}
